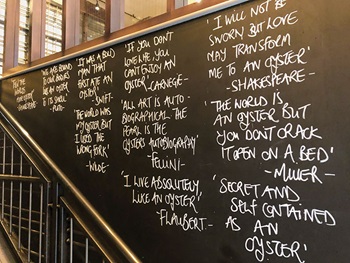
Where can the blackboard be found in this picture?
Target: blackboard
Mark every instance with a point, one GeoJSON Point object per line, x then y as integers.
{"type": "Point", "coordinates": [221, 139]}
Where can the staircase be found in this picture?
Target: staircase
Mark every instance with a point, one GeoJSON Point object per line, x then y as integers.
{"type": "Point", "coordinates": [6, 254]}
{"type": "Point", "coordinates": [37, 220]}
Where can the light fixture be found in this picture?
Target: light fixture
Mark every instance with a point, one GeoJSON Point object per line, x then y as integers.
{"type": "Point", "coordinates": [97, 6]}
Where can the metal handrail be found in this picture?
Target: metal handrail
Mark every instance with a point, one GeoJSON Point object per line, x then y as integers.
{"type": "Point", "coordinates": [113, 236]}
{"type": "Point", "coordinates": [19, 178]}
{"type": "Point", "coordinates": [81, 223]}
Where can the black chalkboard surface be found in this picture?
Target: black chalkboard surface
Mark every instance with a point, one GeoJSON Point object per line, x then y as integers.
{"type": "Point", "coordinates": [222, 139]}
